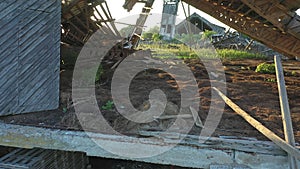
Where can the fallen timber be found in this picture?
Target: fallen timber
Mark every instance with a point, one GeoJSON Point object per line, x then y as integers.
{"type": "Point", "coordinates": [268, 133]}
{"type": "Point", "coordinates": [82, 18]}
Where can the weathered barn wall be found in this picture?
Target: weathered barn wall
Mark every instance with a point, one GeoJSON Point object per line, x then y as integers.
{"type": "Point", "coordinates": [29, 55]}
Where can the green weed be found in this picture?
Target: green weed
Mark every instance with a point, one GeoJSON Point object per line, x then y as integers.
{"type": "Point", "coordinates": [182, 51]}
{"type": "Point", "coordinates": [108, 105]}
{"type": "Point", "coordinates": [294, 73]}
{"type": "Point", "coordinates": [238, 54]}
{"type": "Point", "coordinates": [266, 68]}
{"type": "Point", "coordinates": [273, 80]}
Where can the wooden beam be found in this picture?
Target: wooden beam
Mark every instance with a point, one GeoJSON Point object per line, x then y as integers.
{"type": "Point", "coordinates": [261, 128]}
{"type": "Point", "coordinates": [188, 153]}
{"type": "Point", "coordinates": [257, 30]}
{"type": "Point", "coordinates": [285, 109]}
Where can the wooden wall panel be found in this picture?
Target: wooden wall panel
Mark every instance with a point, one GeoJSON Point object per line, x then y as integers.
{"type": "Point", "coordinates": [29, 55]}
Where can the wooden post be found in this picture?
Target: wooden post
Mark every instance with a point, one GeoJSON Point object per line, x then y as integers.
{"type": "Point", "coordinates": [285, 109]}
{"type": "Point", "coordinates": [261, 128]}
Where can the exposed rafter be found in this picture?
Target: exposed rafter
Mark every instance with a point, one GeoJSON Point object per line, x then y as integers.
{"type": "Point", "coordinates": [244, 19]}
{"type": "Point", "coordinates": [277, 14]}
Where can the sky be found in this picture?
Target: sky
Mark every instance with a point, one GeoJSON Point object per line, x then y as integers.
{"type": "Point", "coordinates": [121, 15]}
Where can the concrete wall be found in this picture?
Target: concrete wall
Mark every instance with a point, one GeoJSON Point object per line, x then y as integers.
{"type": "Point", "coordinates": [29, 55]}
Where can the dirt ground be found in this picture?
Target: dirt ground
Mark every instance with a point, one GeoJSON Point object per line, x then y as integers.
{"type": "Point", "coordinates": [256, 93]}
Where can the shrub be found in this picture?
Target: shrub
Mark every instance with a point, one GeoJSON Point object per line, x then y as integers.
{"type": "Point", "coordinates": [147, 35]}
{"type": "Point", "coordinates": [156, 37]}
{"type": "Point", "coordinates": [266, 68]}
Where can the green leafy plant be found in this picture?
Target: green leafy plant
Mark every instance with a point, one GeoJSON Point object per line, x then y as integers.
{"type": "Point", "coordinates": [65, 110]}
{"type": "Point", "coordinates": [147, 36]}
{"type": "Point", "coordinates": [266, 68]}
{"type": "Point", "coordinates": [271, 80]}
{"type": "Point", "coordinates": [156, 37]}
{"type": "Point", "coordinates": [108, 105]}
{"type": "Point", "coordinates": [294, 73]}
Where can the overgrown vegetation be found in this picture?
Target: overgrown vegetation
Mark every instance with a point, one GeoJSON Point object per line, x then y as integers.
{"type": "Point", "coordinates": [182, 51]}
{"type": "Point", "coordinates": [152, 34]}
{"type": "Point", "coordinates": [266, 68]}
{"type": "Point", "coordinates": [238, 54]}
{"type": "Point", "coordinates": [176, 48]}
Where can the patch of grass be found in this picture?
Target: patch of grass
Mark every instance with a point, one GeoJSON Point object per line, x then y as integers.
{"type": "Point", "coordinates": [181, 51]}
{"type": "Point", "coordinates": [108, 105]}
{"type": "Point", "coordinates": [238, 54]}
{"type": "Point", "coordinates": [266, 68]}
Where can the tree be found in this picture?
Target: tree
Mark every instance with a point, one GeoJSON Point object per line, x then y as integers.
{"type": "Point", "coordinates": [154, 30]}
{"type": "Point", "coordinates": [126, 31]}
{"type": "Point", "coordinates": [147, 35]}
{"type": "Point", "coordinates": [156, 37]}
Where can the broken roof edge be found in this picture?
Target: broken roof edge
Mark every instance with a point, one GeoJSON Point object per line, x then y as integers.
{"type": "Point", "coordinates": [188, 153]}
{"type": "Point", "coordinates": [218, 29]}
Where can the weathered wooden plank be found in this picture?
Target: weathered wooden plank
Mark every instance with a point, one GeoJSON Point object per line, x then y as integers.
{"type": "Point", "coordinates": [49, 7]}
{"type": "Point", "coordinates": [189, 153]}
{"type": "Point", "coordinates": [8, 60]}
{"type": "Point", "coordinates": [29, 55]}
{"type": "Point", "coordinates": [31, 94]}
{"type": "Point", "coordinates": [261, 128]}
{"type": "Point", "coordinates": [285, 109]}
{"type": "Point", "coordinates": [7, 13]}
{"type": "Point", "coordinates": [6, 4]}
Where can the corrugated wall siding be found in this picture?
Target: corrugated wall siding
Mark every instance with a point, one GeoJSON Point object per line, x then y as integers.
{"type": "Point", "coordinates": [29, 55]}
